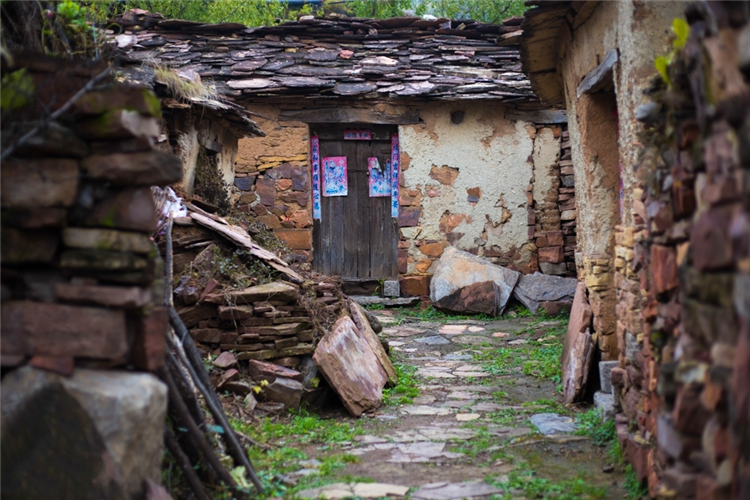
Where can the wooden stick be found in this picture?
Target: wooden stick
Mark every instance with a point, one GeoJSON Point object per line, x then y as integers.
{"type": "Point", "coordinates": [168, 295]}
{"type": "Point", "coordinates": [184, 419]}
{"type": "Point", "coordinates": [230, 438]}
{"type": "Point", "coordinates": [187, 394]}
{"type": "Point", "coordinates": [185, 466]}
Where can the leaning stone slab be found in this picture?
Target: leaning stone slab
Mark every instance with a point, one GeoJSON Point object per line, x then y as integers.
{"type": "Point", "coordinates": [577, 351]}
{"type": "Point", "coordinates": [535, 288]}
{"type": "Point", "coordinates": [347, 362]}
{"type": "Point", "coordinates": [97, 434]}
{"type": "Point", "coordinates": [366, 300]}
{"type": "Point", "coordinates": [363, 325]}
{"type": "Point", "coordinates": [457, 269]}
{"type": "Point", "coordinates": [286, 391]}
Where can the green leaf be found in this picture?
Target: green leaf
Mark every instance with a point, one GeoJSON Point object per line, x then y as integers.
{"type": "Point", "coordinates": [681, 30]}
{"type": "Point", "coordinates": [661, 64]}
{"type": "Point", "coordinates": [17, 90]}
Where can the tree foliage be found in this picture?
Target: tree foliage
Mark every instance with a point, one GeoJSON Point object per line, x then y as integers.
{"type": "Point", "coordinates": [488, 11]}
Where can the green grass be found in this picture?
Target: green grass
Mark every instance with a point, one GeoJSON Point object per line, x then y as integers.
{"type": "Point", "coordinates": [406, 389]}
{"type": "Point", "coordinates": [432, 314]}
{"type": "Point", "coordinates": [591, 425]}
{"type": "Point", "coordinates": [524, 482]}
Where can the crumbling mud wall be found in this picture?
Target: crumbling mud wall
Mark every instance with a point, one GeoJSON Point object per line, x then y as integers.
{"type": "Point", "coordinates": [471, 178]}
{"type": "Point", "coordinates": [602, 130]}
{"type": "Point", "coordinates": [82, 292]}
{"type": "Point", "coordinates": [683, 270]}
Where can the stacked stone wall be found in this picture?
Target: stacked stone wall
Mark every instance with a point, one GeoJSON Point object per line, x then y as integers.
{"type": "Point", "coordinates": [82, 292]}
{"type": "Point", "coordinates": [682, 274]}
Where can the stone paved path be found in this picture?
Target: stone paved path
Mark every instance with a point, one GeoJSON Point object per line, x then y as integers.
{"type": "Point", "coordinates": [468, 433]}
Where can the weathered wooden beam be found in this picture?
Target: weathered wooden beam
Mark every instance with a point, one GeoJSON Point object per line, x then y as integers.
{"type": "Point", "coordinates": [350, 115]}
{"type": "Point", "coordinates": [544, 116]}
{"type": "Point", "coordinates": [599, 77]}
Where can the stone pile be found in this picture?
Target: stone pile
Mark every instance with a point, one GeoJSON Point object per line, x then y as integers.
{"type": "Point", "coordinates": [684, 367]}
{"type": "Point", "coordinates": [82, 292]}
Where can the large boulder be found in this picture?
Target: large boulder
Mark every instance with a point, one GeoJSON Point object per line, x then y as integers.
{"type": "Point", "coordinates": [477, 298]}
{"type": "Point", "coordinates": [97, 434]}
{"type": "Point", "coordinates": [535, 288]}
{"type": "Point", "coordinates": [350, 366]}
{"type": "Point", "coordinates": [457, 269]}
{"type": "Point", "coordinates": [363, 326]}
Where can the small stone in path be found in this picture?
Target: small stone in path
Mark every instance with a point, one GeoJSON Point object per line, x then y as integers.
{"type": "Point", "coordinates": [402, 331]}
{"type": "Point", "coordinates": [457, 357]}
{"type": "Point", "coordinates": [467, 417]}
{"type": "Point", "coordinates": [452, 329]}
{"type": "Point", "coordinates": [517, 342]}
{"type": "Point", "coordinates": [461, 395]}
{"type": "Point", "coordinates": [472, 374]}
{"type": "Point", "coordinates": [447, 491]}
{"type": "Point", "coordinates": [396, 343]}
{"type": "Point", "coordinates": [608, 468]}
{"type": "Point", "coordinates": [476, 329]}
{"type": "Point", "coordinates": [485, 407]}
{"type": "Point", "coordinates": [434, 340]}
{"type": "Point", "coordinates": [499, 335]}
{"type": "Point", "coordinates": [424, 400]}
{"type": "Point", "coordinates": [339, 491]}
{"type": "Point", "coordinates": [551, 423]}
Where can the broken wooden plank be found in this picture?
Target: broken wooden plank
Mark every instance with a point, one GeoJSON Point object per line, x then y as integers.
{"type": "Point", "coordinates": [600, 77]}
{"type": "Point", "coordinates": [240, 237]}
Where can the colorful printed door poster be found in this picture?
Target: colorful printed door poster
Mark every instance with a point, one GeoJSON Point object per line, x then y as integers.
{"type": "Point", "coordinates": [395, 167]}
{"type": "Point", "coordinates": [315, 164]}
{"type": "Point", "coordinates": [380, 178]}
{"type": "Point", "coordinates": [357, 135]}
{"type": "Point", "coordinates": [335, 181]}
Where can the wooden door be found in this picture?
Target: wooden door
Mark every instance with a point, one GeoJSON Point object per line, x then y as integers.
{"type": "Point", "coordinates": [356, 236]}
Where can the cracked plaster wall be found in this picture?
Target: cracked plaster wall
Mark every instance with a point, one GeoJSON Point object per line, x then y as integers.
{"type": "Point", "coordinates": [470, 180]}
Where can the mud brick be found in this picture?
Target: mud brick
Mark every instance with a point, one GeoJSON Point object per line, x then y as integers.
{"type": "Point", "coordinates": [153, 168]}
{"type": "Point", "coordinates": [551, 254]}
{"type": "Point", "coordinates": [23, 247]}
{"type": "Point", "coordinates": [296, 239]}
{"type": "Point", "coordinates": [150, 344]}
{"type": "Point", "coordinates": [414, 286]}
{"type": "Point", "coordinates": [131, 208]}
{"type": "Point", "coordinates": [38, 183]}
{"type": "Point", "coordinates": [56, 330]}
{"type": "Point", "coordinates": [409, 216]}
{"type": "Point", "coordinates": [663, 268]}
{"type": "Point", "coordinates": [710, 240]}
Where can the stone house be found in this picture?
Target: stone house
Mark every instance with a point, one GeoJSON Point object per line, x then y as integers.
{"type": "Point", "coordinates": [661, 171]}
{"type": "Point", "coordinates": [480, 164]}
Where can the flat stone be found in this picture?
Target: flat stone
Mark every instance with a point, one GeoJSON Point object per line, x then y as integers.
{"type": "Point", "coordinates": [424, 410]}
{"type": "Point", "coordinates": [338, 491]}
{"type": "Point", "coordinates": [499, 335]}
{"type": "Point", "coordinates": [433, 340]}
{"type": "Point", "coordinates": [535, 288]}
{"type": "Point", "coordinates": [434, 373]}
{"type": "Point", "coordinates": [125, 297]}
{"type": "Point", "coordinates": [471, 374]}
{"type": "Point", "coordinates": [351, 368]}
{"type": "Point", "coordinates": [261, 370]}
{"type": "Point", "coordinates": [57, 330]}
{"type": "Point", "coordinates": [131, 208]}
{"type": "Point", "coordinates": [458, 357]}
{"type": "Point", "coordinates": [457, 269]}
{"type": "Point", "coordinates": [551, 423]}
{"type": "Point", "coordinates": [153, 168]}
{"type": "Point", "coordinates": [39, 183]}
{"type": "Point", "coordinates": [461, 395]}
{"type": "Point", "coordinates": [605, 375]}
{"type": "Point", "coordinates": [424, 400]}
{"type": "Point", "coordinates": [284, 390]}
{"type": "Point", "coordinates": [467, 339]}
{"type": "Point", "coordinates": [225, 360]}
{"type": "Point", "coordinates": [402, 331]}
{"type": "Point", "coordinates": [467, 417]}
{"type": "Point", "coordinates": [476, 329]}
{"type": "Point", "coordinates": [417, 452]}
{"type": "Point", "coordinates": [277, 291]}
{"type": "Point", "coordinates": [577, 350]}
{"type": "Point", "coordinates": [366, 300]}
{"type": "Point", "coordinates": [107, 239]}
{"type": "Point", "coordinates": [488, 407]}
{"type": "Point", "coordinates": [604, 402]}
{"type": "Point", "coordinates": [455, 491]}
{"type": "Point", "coordinates": [453, 329]}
